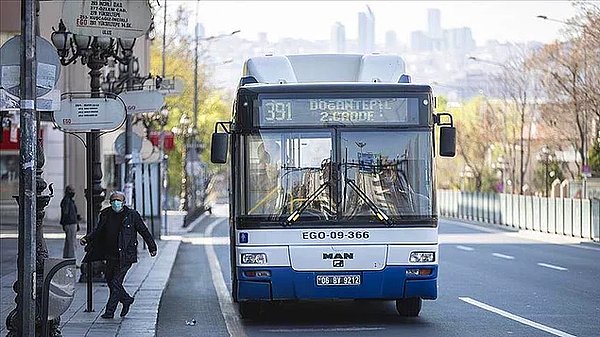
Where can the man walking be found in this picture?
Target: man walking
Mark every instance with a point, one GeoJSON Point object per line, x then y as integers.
{"type": "Point", "coordinates": [115, 240]}
{"type": "Point", "coordinates": [69, 219]}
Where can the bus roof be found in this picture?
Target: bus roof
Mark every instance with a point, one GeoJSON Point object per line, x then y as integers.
{"type": "Point", "coordinates": [314, 68]}
{"type": "Point", "coordinates": [334, 87]}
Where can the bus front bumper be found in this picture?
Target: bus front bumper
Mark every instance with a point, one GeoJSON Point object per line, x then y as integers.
{"type": "Point", "coordinates": [284, 283]}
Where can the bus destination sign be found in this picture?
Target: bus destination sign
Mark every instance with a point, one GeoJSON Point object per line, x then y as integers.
{"type": "Point", "coordinates": [336, 111]}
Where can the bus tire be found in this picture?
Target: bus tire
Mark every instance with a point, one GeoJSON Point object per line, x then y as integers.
{"type": "Point", "coordinates": [249, 309]}
{"type": "Point", "coordinates": [409, 307]}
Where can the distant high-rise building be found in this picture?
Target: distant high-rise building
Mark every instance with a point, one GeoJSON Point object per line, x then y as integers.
{"type": "Point", "coordinates": [391, 41]}
{"type": "Point", "coordinates": [366, 31]}
{"type": "Point", "coordinates": [338, 38]}
{"type": "Point", "coordinates": [434, 23]}
{"type": "Point", "coordinates": [459, 39]}
{"type": "Point", "coordinates": [434, 28]}
{"type": "Point", "coordinates": [419, 41]}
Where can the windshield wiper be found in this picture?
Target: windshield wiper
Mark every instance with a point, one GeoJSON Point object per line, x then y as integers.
{"type": "Point", "coordinates": [296, 214]}
{"type": "Point", "coordinates": [376, 210]}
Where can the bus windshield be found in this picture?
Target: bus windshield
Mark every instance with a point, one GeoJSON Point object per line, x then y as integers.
{"type": "Point", "coordinates": [315, 175]}
{"type": "Point", "coordinates": [285, 169]}
{"type": "Point", "coordinates": [390, 169]}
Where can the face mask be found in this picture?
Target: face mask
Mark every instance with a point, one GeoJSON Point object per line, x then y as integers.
{"type": "Point", "coordinates": [71, 194]}
{"type": "Point", "coordinates": [117, 205]}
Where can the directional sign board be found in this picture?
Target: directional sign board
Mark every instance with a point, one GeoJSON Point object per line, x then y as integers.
{"type": "Point", "coordinates": [90, 114]}
{"type": "Point", "coordinates": [114, 18]}
{"type": "Point", "coordinates": [142, 101]}
{"type": "Point", "coordinates": [48, 66]}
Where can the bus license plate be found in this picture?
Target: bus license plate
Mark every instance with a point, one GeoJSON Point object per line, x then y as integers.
{"type": "Point", "coordinates": [338, 280]}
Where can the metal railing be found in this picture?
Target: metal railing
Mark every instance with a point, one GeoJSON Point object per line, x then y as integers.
{"type": "Point", "coordinates": [562, 216]}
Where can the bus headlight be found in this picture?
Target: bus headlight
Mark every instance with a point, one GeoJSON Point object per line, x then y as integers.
{"type": "Point", "coordinates": [421, 257]}
{"type": "Point", "coordinates": [254, 258]}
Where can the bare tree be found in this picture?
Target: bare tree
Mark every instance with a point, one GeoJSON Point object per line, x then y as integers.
{"type": "Point", "coordinates": [519, 93]}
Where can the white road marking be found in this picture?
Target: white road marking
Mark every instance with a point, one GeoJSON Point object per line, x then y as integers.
{"type": "Point", "coordinates": [468, 249]}
{"type": "Point", "coordinates": [217, 240]}
{"type": "Point", "coordinates": [349, 329]}
{"type": "Point", "coordinates": [530, 235]}
{"type": "Point", "coordinates": [515, 317]}
{"type": "Point", "coordinates": [551, 266]}
{"type": "Point", "coordinates": [585, 247]}
{"type": "Point", "coordinates": [232, 320]}
{"type": "Point", "coordinates": [502, 256]}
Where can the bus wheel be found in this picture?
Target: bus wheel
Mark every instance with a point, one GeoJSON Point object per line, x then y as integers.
{"type": "Point", "coordinates": [249, 309]}
{"type": "Point", "coordinates": [409, 307]}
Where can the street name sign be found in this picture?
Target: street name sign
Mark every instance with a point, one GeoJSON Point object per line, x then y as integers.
{"type": "Point", "coordinates": [90, 114]}
{"type": "Point", "coordinates": [142, 101]}
{"type": "Point", "coordinates": [126, 19]}
{"type": "Point", "coordinates": [48, 66]}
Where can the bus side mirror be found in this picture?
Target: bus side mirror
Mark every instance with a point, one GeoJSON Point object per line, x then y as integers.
{"type": "Point", "coordinates": [218, 148]}
{"type": "Point", "coordinates": [448, 141]}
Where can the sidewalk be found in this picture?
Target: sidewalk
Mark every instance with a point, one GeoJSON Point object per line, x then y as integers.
{"type": "Point", "coordinates": [145, 281]}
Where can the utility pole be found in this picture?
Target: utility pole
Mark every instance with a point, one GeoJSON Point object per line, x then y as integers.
{"type": "Point", "coordinates": [26, 263]}
{"type": "Point", "coordinates": [164, 120]}
{"type": "Point", "coordinates": [129, 190]}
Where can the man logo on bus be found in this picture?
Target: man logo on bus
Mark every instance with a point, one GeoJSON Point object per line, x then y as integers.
{"type": "Point", "coordinates": [338, 263]}
{"type": "Point", "coordinates": [338, 256]}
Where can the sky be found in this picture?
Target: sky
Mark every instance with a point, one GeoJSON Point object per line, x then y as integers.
{"type": "Point", "coordinates": [513, 21]}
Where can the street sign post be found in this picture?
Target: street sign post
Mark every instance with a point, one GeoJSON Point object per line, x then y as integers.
{"type": "Point", "coordinates": [126, 19]}
{"type": "Point", "coordinates": [48, 66]}
{"type": "Point", "coordinates": [85, 114]}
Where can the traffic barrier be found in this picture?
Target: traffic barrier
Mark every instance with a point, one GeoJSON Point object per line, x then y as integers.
{"type": "Point", "coordinates": [562, 216]}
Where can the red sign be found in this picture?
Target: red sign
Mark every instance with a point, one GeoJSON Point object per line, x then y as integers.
{"type": "Point", "coordinates": [7, 145]}
{"type": "Point", "coordinates": [169, 139]}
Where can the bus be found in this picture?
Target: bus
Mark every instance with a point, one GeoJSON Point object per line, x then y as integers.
{"type": "Point", "coordinates": [332, 191]}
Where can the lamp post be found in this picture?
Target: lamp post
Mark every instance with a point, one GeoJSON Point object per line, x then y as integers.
{"type": "Point", "coordinates": [95, 53]}
{"type": "Point", "coordinates": [501, 166]}
{"type": "Point", "coordinates": [184, 130]}
{"type": "Point", "coordinates": [196, 144]}
{"type": "Point", "coordinates": [127, 80]}
{"type": "Point", "coordinates": [546, 157]}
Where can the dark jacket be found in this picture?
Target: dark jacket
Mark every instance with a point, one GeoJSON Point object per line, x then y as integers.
{"type": "Point", "coordinates": [96, 248]}
{"type": "Point", "coordinates": [68, 211]}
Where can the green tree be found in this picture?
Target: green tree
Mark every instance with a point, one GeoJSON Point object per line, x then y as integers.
{"type": "Point", "coordinates": [212, 106]}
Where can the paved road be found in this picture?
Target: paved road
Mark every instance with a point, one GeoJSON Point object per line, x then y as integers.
{"type": "Point", "coordinates": [492, 283]}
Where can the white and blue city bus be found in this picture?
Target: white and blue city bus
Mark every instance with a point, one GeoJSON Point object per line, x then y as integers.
{"type": "Point", "coordinates": [332, 192]}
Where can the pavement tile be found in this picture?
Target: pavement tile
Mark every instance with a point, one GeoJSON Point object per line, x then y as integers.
{"type": "Point", "coordinates": [146, 281]}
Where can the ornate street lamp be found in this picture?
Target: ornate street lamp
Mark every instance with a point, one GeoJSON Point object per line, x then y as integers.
{"type": "Point", "coordinates": [95, 53]}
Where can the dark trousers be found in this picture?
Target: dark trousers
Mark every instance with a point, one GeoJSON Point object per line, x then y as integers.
{"type": "Point", "coordinates": [115, 274]}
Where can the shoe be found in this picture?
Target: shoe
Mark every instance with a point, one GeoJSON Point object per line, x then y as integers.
{"type": "Point", "coordinates": [126, 306]}
{"type": "Point", "coordinates": [107, 315]}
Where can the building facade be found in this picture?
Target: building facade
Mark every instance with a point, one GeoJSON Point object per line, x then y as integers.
{"type": "Point", "coordinates": [64, 153]}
